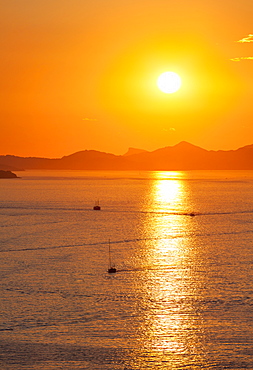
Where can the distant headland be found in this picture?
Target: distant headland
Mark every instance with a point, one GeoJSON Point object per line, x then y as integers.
{"type": "Point", "coordinates": [183, 156]}
{"type": "Point", "coordinates": [7, 175]}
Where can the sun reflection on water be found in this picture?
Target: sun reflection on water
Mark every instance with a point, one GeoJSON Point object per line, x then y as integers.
{"type": "Point", "coordinates": [168, 190]}
{"type": "Point", "coordinates": [169, 329]}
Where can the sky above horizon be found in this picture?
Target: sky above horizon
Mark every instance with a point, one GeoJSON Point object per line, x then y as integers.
{"type": "Point", "coordinates": [79, 75]}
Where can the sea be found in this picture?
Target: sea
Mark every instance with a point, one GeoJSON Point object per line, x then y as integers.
{"type": "Point", "coordinates": [182, 296]}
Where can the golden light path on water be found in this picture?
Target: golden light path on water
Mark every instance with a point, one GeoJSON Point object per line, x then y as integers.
{"type": "Point", "coordinates": [169, 329]}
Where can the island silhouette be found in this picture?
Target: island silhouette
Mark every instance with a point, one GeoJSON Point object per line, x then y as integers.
{"type": "Point", "coordinates": [183, 156]}
{"type": "Point", "coordinates": [7, 175]}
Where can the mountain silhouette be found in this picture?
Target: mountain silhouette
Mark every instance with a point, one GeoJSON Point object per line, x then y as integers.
{"type": "Point", "coordinates": [182, 156]}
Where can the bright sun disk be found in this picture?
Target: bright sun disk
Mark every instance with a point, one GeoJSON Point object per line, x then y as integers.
{"type": "Point", "coordinates": [169, 82]}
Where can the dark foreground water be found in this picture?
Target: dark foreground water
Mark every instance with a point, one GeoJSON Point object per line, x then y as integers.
{"type": "Point", "coordinates": [183, 294]}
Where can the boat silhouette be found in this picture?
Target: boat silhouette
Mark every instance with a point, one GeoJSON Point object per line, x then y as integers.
{"type": "Point", "coordinates": [111, 267]}
{"type": "Point", "coordinates": [97, 206]}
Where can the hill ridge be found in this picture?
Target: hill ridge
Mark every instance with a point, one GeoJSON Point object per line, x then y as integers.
{"type": "Point", "coordinates": [182, 156]}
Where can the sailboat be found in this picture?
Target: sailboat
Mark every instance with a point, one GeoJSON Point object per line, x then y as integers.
{"type": "Point", "coordinates": [97, 206]}
{"type": "Point", "coordinates": [111, 268]}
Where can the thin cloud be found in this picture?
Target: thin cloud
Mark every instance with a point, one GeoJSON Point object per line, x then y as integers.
{"type": "Point", "coordinates": [170, 129]}
{"type": "Point", "coordinates": [241, 58]}
{"type": "Point", "coordinates": [89, 119]}
{"type": "Point", "coordinates": [248, 38]}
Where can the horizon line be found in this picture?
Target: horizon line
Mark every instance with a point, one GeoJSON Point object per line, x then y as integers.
{"type": "Point", "coordinates": [120, 155]}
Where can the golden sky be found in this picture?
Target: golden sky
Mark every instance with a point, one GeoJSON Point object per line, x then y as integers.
{"type": "Point", "coordinates": [78, 74]}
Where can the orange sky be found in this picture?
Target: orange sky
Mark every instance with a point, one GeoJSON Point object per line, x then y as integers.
{"type": "Point", "coordinates": [81, 75]}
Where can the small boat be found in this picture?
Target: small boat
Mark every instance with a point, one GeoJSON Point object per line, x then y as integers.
{"type": "Point", "coordinates": [111, 269]}
{"type": "Point", "coordinates": [97, 206]}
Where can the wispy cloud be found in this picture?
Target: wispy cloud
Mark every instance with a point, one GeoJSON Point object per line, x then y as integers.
{"type": "Point", "coordinates": [241, 58]}
{"type": "Point", "coordinates": [169, 129]}
{"type": "Point", "coordinates": [248, 38]}
{"type": "Point", "coordinates": [89, 119]}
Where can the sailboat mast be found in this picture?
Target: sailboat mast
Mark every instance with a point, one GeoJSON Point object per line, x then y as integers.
{"type": "Point", "coordinates": [112, 268]}
{"type": "Point", "coordinates": [110, 262]}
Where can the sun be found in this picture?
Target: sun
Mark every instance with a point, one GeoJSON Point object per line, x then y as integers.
{"type": "Point", "coordinates": [169, 82]}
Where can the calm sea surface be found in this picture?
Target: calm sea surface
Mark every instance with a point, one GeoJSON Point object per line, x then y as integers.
{"type": "Point", "coordinates": [182, 243]}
